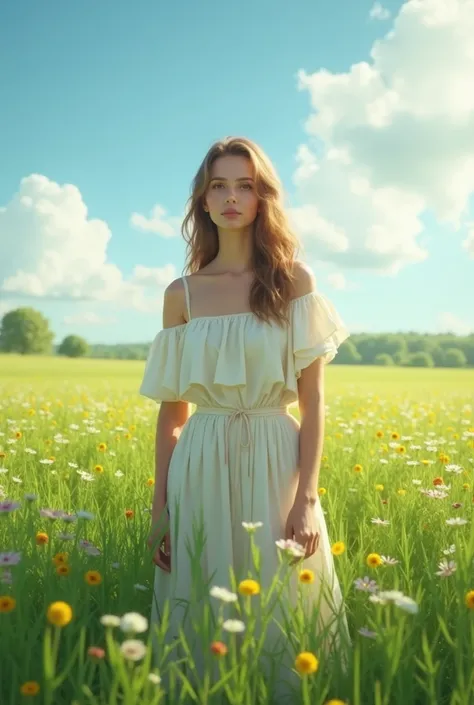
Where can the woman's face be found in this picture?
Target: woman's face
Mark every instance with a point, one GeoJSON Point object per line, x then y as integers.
{"type": "Point", "coordinates": [232, 186]}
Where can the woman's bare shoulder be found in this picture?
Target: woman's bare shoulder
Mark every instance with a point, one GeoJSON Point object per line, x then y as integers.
{"type": "Point", "coordinates": [304, 281]}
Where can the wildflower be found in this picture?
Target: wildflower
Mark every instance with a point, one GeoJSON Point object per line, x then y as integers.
{"type": "Point", "coordinates": [150, 482]}
{"type": "Point", "coordinates": [291, 548]}
{"type": "Point", "coordinates": [379, 521]}
{"type": "Point", "coordinates": [456, 521]}
{"type": "Point", "coordinates": [233, 625]}
{"type": "Point", "coordinates": [402, 492]}
{"type": "Point", "coordinates": [129, 513]}
{"type": "Point", "coordinates": [99, 469]}
{"type": "Point", "coordinates": [454, 468]}
{"type": "Point", "coordinates": [6, 576]}
{"type": "Point", "coordinates": [357, 468]}
{"type": "Point", "coordinates": [306, 663]}
{"type": "Point", "coordinates": [30, 497]}
{"type": "Point", "coordinates": [110, 620]}
{"type": "Point", "coordinates": [8, 506]}
{"type": "Point", "coordinates": [9, 558]}
{"type": "Point", "coordinates": [102, 447]}
{"type": "Point", "coordinates": [41, 538]}
{"type": "Point", "coordinates": [81, 514]}
{"type": "Point", "coordinates": [30, 688]}
{"type": "Point", "coordinates": [322, 491]}
{"type": "Point", "coordinates": [63, 569]}
{"type": "Point", "coordinates": [366, 584]}
{"type": "Point", "coordinates": [249, 587]}
{"type": "Point", "coordinates": [395, 436]}
{"type": "Point", "coordinates": [60, 558]}
{"type": "Point", "coordinates": [456, 505]}
{"type": "Point", "coordinates": [338, 548]}
{"type": "Point", "coordinates": [93, 577]}
{"type": "Point", "coordinates": [306, 576]}
{"type": "Point", "coordinates": [406, 604]}
{"type": "Point", "coordinates": [95, 652]}
{"type": "Point", "coordinates": [446, 568]}
{"type": "Point", "coordinates": [387, 560]}
{"type": "Point", "coordinates": [250, 527]}
{"type": "Point", "coordinates": [154, 678]}
{"type": "Point", "coordinates": [363, 631]}
{"type": "Point", "coordinates": [374, 560]}
{"type": "Point", "coordinates": [379, 487]}
{"type": "Point", "coordinates": [401, 450]}
{"type": "Point", "coordinates": [133, 622]}
{"type": "Point", "coordinates": [7, 603]}
{"type": "Point", "coordinates": [438, 481]}
{"type": "Point", "coordinates": [133, 649]}
{"type": "Point", "coordinates": [223, 594]}
{"type": "Point", "coordinates": [59, 614]}
{"type": "Point", "coordinates": [449, 550]}
{"type": "Point", "coordinates": [218, 648]}
{"type": "Point", "coordinates": [379, 434]}
{"type": "Point", "coordinates": [469, 599]}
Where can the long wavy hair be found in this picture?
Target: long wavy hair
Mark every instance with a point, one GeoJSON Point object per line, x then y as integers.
{"type": "Point", "coordinates": [275, 245]}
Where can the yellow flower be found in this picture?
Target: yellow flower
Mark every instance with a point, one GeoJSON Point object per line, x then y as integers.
{"type": "Point", "coordinates": [98, 469]}
{"type": "Point", "coordinates": [465, 485]}
{"type": "Point", "coordinates": [338, 548]}
{"type": "Point", "coordinates": [379, 434]}
{"type": "Point", "coordinates": [60, 558]}
{"type": "Point", "coordinates": [7, 603]}
{"type": "Point", "coordinates": [63, 569]}
{"type": "Point", "coordinates": [18, 435]}
{"type": "Point", "coordinates": [30, 688]}
{"type": "Point", "coordinates": [395, 436]}
{"type": "Point", "coordinates": [335, 701]}
{"type": "Point", "coordinates": [322, 491]}
{"type": "Point", "coordinates": [306, 663]}
{"type": "Point", "coordinates": [306, 576]}
{"type": "Point", "coordinates": [401, 450]}
{"type": "Point", "coordinates": [150, 482]}
{"type": "Point", "coordinates": [127, 436]}
{"type": "Point", "coordinates": [102, 447]}
{"type": "Point", "coordinates": [59, 614]}
{"type": "Point", "coordinates": [374, 560]}
{"type": "Point", "coordinates": [132, 428]}
{"type": "Point", "coordinates": [357, 468]}
{"type": "Point", "coordinates": [31, 412]}
{"type": "Point", "coordinates": [469, 599]}
{"type": "Point", "coordinates": [249, 587]}
{"type": "Point", "coordinates": [93, 577]}
{"type": "Point", "coordinates": [425, 462]}
{"type": "Point", "coordinates": [41, 538]}
{"type": "Point", "coordinates": [401, 492]}
{"type": "Point", "coordinates": [444, 458]}
{"type": "Point", "coordinates": [379, 488]}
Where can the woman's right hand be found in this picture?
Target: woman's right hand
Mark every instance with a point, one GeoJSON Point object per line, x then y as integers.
{"type": "Point", "coordinates": [160, 527]}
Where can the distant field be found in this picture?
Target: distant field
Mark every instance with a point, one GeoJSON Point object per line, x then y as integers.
{"type": "Point", "coordinates": [48, 373]}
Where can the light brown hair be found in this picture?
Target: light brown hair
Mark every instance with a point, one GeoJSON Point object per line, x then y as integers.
{"type": "Point", "coordinates": [275, 245]}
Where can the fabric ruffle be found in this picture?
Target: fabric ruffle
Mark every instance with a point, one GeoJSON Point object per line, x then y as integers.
{"type": "Point", "coordinates": [199, 360]}
{"type": "Point", "coordinates": [317, 330]}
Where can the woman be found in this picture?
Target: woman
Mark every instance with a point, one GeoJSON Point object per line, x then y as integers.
{"type": "Point", "coordinates": [244, 335]}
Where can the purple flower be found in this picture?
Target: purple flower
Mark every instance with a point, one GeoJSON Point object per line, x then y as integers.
{"type": "Point", "coordinates": [9, 506]}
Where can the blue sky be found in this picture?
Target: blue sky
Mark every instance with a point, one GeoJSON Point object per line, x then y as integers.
{"type": "Point", "coordinates": [372, 140]}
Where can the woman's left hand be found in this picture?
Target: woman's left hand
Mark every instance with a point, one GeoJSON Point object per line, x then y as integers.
{"type": "Point", "coordinates": [301, 527]}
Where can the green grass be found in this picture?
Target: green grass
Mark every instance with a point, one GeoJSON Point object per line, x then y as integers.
{"type": "Point", "coordinates": [425, 657]}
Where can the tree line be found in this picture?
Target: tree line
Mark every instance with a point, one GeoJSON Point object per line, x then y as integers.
{"type": "Point", "coordinates": [26, 331]}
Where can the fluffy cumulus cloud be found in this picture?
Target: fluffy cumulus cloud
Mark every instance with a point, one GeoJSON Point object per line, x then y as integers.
{"type": "Point", "coordinates": [50, 248]}
{"type": "Point", "coordinates": [393, 139]}
{"type": "Point", "coordinates": [379, 12]}
{"type": "Point", "coordinates": [158, 222]}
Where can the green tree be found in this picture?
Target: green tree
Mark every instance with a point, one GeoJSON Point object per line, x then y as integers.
{"type": "Point", "coordinates": [383, 359]}
{"type": "Point", "coordinates": [455, 358]}
{"type": "Point", "coordinates": [348, 354]}
{"type": "Point", "coordinates": [27, 332]}
{"type": "Point", "coordinates": [73, 346]}
{"type": "Point", "coordinates": [419, 359]}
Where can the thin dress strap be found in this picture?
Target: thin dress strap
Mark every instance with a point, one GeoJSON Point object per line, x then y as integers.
{"type": "Point", "coordinates": [188, 300]}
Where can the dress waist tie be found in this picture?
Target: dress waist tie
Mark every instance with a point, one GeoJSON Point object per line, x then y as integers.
{"type": "Point", "coordinates": [244, 415]}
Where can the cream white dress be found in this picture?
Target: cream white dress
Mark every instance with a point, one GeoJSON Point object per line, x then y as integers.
{"type": "Point", "coordinates": [237, 457]}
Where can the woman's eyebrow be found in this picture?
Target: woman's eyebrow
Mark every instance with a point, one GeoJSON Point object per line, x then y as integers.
{"type": "Point", "coordinates": [221, 178]}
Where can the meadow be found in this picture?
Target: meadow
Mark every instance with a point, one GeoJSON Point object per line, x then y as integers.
{"type": "Point", "coordinates": [76, 482]}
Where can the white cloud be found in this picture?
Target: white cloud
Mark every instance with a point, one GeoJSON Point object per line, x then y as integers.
{"type": "Point", "coordinates": [468, 243]}
{"type": "Point", "coordinates": [394, 138]}
{"type": "Point", "coordinates": [337, 280]}
{"type": "Point", "coordinates": [88, 318]}
{"type": "Point", "coordinates": [378, 12]}
{"type": "Point", "coordinates": [450, 323]}
{"type": "Point", "coordinates": [157, 223]}
{"type": "Point", "coordinates": [50, 248]}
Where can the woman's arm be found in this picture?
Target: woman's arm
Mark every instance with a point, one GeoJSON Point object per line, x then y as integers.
{"type": "Point", "coordinates": [311, 437]}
